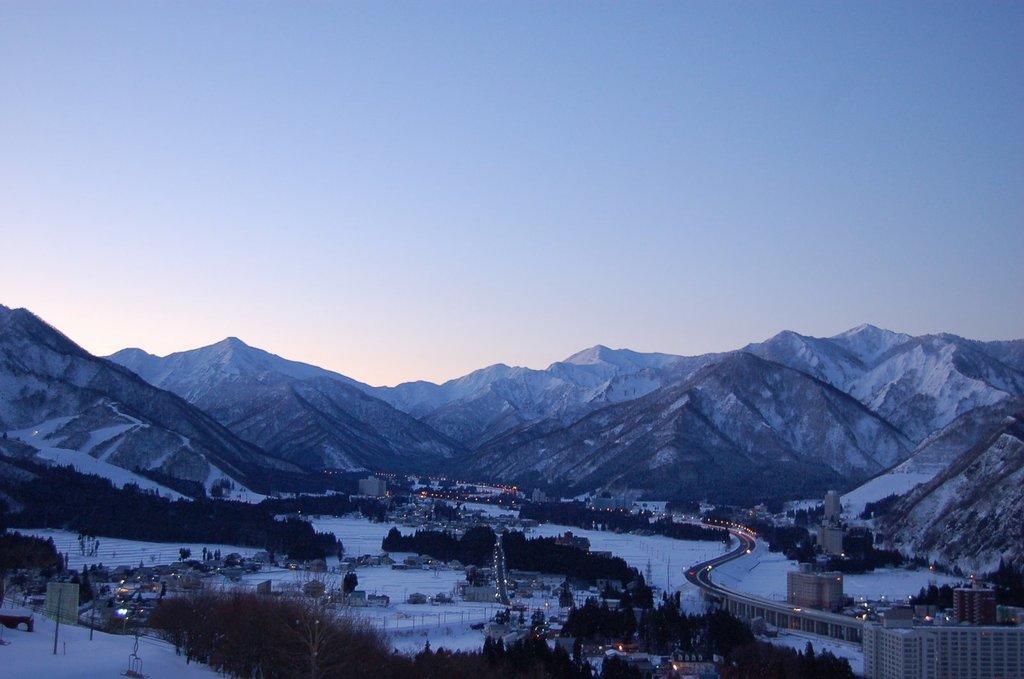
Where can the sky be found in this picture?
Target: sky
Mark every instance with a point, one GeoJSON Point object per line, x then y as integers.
{"type": "Point", "coordinates": [402, 191]}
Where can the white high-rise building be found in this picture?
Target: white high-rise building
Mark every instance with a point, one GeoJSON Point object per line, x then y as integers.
{"type": "Point", "coordinates": [899, 650]}
{"type": "Point", "coordinates": [373, 486]}
{"type": "Point", "coordinates": [833, 508]}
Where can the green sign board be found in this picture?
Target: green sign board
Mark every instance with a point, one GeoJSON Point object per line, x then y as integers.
{"type": "Point", "coordinates": [62, 601]}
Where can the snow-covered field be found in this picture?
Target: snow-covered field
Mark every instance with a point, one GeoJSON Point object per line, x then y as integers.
{"type": "Point", "coordinates": [763, 573]}
{"type": "Point", "coordinates": [409, 625]}
{"type": "Point", "coordinates": [840, 649]}
{"type": "Point", "coordinates": [895, 481]}
{"type": "Point", "coordinates": [30, 654]}
{"type": "Point", "coordinates": [118, 552]}
{"type": "Point", "coordinates": [667, 557]}
{"type": "Point", "coordinates": [489, 509]}
{"type": "Point", "coordinates": [358, 535]}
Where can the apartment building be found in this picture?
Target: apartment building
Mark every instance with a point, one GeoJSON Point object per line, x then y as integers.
{"type": "Point", "coordinates": [899, 650]}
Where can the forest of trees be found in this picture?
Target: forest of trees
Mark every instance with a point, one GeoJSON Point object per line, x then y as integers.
{"type": "Point", "coordinates": [667, 628]}
{"type": "Point", "coordinates": [93, 505]}
{"type": "Point", "coordinates": [331, 505]}
{"type": "Point", "coordinates": [660, 629]}
{"type": "Point", "coordinates": [476, 547]}
{"type": "Point", "coordinates": [580, 515]}
{"type": "Point", "coordinates": [242, 634]}
{"type": "Point", "coordinates": [761, 659]}
{"type": "Point", "coordinates": [1008, 580]}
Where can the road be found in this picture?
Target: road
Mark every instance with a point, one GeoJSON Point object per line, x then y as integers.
{"type": "Point", "coordinates": [777, 613]}
{"type": "Point", "coordinates": [700, 574]}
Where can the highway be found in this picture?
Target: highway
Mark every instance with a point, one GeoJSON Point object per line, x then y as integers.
{"type": "Point", "coordinates": [777, 613]}
{"type": "Point", "coordinates": [700, 574]}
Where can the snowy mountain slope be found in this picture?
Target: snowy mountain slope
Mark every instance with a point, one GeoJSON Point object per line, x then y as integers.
{"type": "Point", "coordinates": [933, 455]}
{"type": "Point", "coordinates": [919, 384]}
{"type": "Point", "coordinates": [972, 514]}
{"type": "Point", "coordinates": [822, 358]}
{"type": "Point", "coordinates": [926, 383]}
{"type": "Point", "coordinates": [740, 426]}
{"type": "Point", "coordinates": [868, 343]}
{"type": "Point", "coordinates": [1010, 352]}
{"type": "Point", "coordinates": [57, 396]}
{"type": "Point", "coordinates": [488, 402]}
{"type": "Point", "coordinates": [307, 415]}
{"type": "Point", "coordinates": [193, 373]}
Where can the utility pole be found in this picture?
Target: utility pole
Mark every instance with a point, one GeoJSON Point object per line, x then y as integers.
{"type": "Point", "coordinates": [60, 596]}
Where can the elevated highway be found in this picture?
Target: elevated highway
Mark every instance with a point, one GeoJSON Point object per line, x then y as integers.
{"type": "Point", "coordinates": [777, 613]}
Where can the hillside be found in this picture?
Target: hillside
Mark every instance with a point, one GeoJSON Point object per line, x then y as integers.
{"type": "Point", "coordinates": [74, 408]}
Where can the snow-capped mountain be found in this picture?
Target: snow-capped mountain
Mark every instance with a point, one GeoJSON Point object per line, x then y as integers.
{"type": "Point", "coordinates": [740, 427]}
{"type": "Point", "coordinates": [71, 407]}
{"type": "Point", "coordinates": [933, 455]}
{"type": "Point", "coordinates": [973, 512]}
{"type": "Point", "coordinates": [919, 384]}
{"type": "Point", "coordinates": [488, 402]}
{"type": "Point", "coordinates": [299, 412]}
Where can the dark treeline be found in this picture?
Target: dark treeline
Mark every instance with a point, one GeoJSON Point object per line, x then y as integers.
{"type": "Point", "coordinates": [246, 635]}
{"type": "Point", "coordinates": [665, 629]}
{"type": "Point", "coordinates": [22, 551]}
{"type": "Point", "coordinates": [333, 505]}
{"type": "Point", "coordinates": [183, 486]}
{"type": "Point", "coordinates": [659, 630]}
{"type": "Point", "coordinates": [934, 596]}
{"type": "Point", "coordinates": [92, 505]}
{"type": "Point", "coordinates": [810, 516]}
{"type": "Point", "coordinates": [761, 659]}
{"type": "Point", "coordinates": [793, 541]}
{"type": "Point", "coordinates": [879, 507]}
{"type": "Point", "coordinates": [799, 544]}
{"type": "Point", "coordinates": [876, 558]}
{"type": "Point", "coordinates": [546, 556]}
{"type": "Point", "coordinates": [242, 634]}
{"type": "Point", "coordinates": [1008, 580]}
{"type": "Point", "coordinates": [581, 516]}
{"type": "Point", "coordinates": [476, 547]}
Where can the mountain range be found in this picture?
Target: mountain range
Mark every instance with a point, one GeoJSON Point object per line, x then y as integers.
{"type": "Point", "coordinates": [65, 405]}
{"type": "Point", "coordinates": [787, 417]}
{"type": "Point", "coordinates": [313, 417]}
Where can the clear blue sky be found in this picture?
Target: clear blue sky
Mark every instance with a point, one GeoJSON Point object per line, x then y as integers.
{"type": "Point", "coordinates": [401, 191]}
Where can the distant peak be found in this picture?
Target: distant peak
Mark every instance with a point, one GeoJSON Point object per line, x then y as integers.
{"type": "Point", "coordinates": [864, 328]}
{"type": "Point", "coordinates": [231, 344]}
{"type": "Point", "coordinates": [593, 354]}
{"type": "Point", "coordinates": [131, 351]}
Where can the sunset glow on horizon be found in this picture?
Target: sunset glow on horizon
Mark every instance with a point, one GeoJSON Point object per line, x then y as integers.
{"type": "Point", "coordinates": [415, 191]}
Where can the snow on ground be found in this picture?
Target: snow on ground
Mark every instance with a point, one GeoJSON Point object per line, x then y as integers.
{"type": "Point", "coordinates": [30, 654]}
{"type": "Point", "coordinates": [119, 476]}
{"type": "Point", "coordinates": [896, 481]}
{"type": "Point", "coordinates": [407, 625]}
{"type": "Point", "coordinates": [83, 462]}
{"type": "Point", "coordinates": [489, 509]}
{"type": "Point", "coordinates": [763, 574]}
{"type": "Point", "coordinates": [669, 558]}
{"type": "Point", "coordinates": [803, 504]}
{"type": "Point", "coordinates": [358, 535]}
{"type": "Point", "coordinates": [840, 649]}
{"type": "Point", "coordinates": [238, 491]}
{"type": "Point", "coordinates": [118, 552]}
{"type": "Point", "coordinates": [452, 637]}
